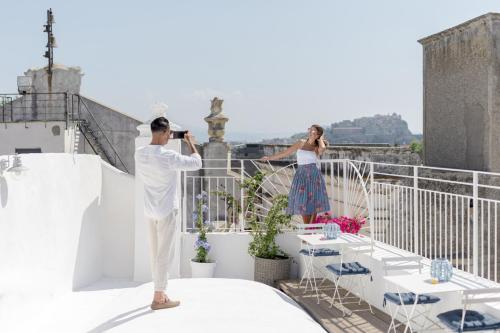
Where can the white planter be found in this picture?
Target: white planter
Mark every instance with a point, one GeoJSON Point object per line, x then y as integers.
{"type": "Point", "coordinates": [202, 269]}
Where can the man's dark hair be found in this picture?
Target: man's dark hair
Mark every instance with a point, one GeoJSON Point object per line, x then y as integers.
{"type": "Point", "coordinates": [160, 124]}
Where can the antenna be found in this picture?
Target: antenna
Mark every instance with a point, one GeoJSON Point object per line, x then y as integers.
{"type": "Point", "coordinates": [51, 40]}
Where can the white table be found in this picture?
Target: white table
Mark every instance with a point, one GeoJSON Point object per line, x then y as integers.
{"type": "Point", "coordinates": [421, 284]}
{"type": "Point", "coordinates": [316, 241]}
{"type": "Point", "coordinates": [319, 240]}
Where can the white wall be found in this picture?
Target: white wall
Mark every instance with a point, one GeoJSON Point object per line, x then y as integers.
{"type": "Point", "coordinates": [32, 135]}
{"type": "Point", "coordinates": [230, 250]}
{"type": "Point", "coordinates": [117, 217]}
{"type": "Point", "coordinates": [65, 224]}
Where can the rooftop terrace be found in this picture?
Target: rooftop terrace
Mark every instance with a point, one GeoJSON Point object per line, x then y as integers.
{"type": "Point", "coordinates": [73, 252]}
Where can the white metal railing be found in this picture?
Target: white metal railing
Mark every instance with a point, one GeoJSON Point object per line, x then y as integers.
{"type": "Point", "coordinates": [439, 212]}
{"type": "Point", "coordinates": [433, 212]}
{"type": "Point", "coordinates": [347, 190]}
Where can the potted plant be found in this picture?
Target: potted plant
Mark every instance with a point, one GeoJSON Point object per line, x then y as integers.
{"type": "Point", "coordinates": [271, 263]}
{"type": "Point", "coordinates": [201, 266]}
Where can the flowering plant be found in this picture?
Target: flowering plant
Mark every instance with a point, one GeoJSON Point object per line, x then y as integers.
{"type": "Point", "coordinates": [201, 245]}
{"type": "Point", "coordinates": [324, 218]}
{"type": "Point", "coordinates": [347, 224]}
{"type": "Point", "coordinates": [263, 244]}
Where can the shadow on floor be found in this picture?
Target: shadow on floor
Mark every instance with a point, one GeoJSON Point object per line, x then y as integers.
{"type": "Point", "coordinates": [331, 318]}
{"type": "Point", "coordinates": [122, 319]}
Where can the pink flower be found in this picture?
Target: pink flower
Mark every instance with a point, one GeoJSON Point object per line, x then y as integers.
{"type": "Point", "coordinates": [347, 224]}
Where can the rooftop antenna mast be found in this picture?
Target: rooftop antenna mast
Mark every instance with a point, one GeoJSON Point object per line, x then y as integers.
{"type": "Point", "coordinates": [51, 40]}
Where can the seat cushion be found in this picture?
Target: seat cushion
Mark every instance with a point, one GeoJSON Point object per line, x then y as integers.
{"type": "Point", "coordinates": [348, 268]}
{"type": "Point", "coordinates": [321, 252]}
{"type": "Point", "coordinates": [409, 298]}
{"type": "Point", "coordinates": [474, 321]}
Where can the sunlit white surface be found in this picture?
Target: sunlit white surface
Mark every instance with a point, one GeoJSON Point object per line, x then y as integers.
{"type": "Point", "coordinates": [207, 305]}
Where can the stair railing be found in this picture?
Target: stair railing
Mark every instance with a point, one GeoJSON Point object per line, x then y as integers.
{"type": "Point", "coordinates": [92, 121]}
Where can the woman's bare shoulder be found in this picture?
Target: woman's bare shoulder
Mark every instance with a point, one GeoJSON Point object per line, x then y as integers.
{"type": "Point", "coordinates": [299, 143]}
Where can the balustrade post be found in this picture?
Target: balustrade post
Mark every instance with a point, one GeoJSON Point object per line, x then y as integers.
{"type": "Point", "coordinates": [184, 202]}
{"type": "Point", "coordinates": [242, 203]}
{"type": "Point", "coordinates": [344, 186]}
{"type": "Point", "coordinates": [371, 208]}
{"type": "Point", "coordinates": [475, 227]}
{"type": "Point", "coordinates": [416, 236]}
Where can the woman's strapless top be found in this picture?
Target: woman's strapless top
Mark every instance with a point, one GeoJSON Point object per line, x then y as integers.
{"type": "Point", "coordinates": [306, 157]}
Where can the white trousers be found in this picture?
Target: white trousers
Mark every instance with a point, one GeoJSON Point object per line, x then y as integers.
{"type": "Point", "coordinates": [162, 248]}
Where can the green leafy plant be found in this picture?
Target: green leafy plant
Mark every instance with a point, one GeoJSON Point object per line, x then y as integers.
{"type": "Point", "coordinates": [233, 207]}
{"type": "Point", "coordinates": [263, 244]}
{"type": "Point", "coordinates": [416, 147]}
{"type": "Point", "coordinates": [251, 186]}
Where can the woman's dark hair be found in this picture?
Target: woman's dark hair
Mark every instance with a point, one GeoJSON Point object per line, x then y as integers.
{"type": "Point", "coordinates": [320, 132]}
{"type": "Point", "coordinates": [160, 124]}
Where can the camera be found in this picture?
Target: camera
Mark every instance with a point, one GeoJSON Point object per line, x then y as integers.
{"type": "Point", "coordinates": [178, 134]}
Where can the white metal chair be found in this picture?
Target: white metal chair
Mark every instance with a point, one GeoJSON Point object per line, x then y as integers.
{"type": "Point", "coordinates": [397, 301]}
{"type": "Point", "coordinates": [464, 320]}
{"type": "Point", "coordinates": [355, 274]}
{"type": "Point", "coordinates": [310, 254]}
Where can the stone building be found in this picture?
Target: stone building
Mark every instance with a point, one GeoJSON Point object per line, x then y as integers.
{"type": "Point", "coordinates": [49, 115]}
{"type": "Point", "coordinates": [461, 72]}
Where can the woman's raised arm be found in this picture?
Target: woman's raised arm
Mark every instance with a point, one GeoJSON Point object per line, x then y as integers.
{"type": "Point", "coordinates": [287, 152]}
{"type": "Point", "coordinates": [322, 145]}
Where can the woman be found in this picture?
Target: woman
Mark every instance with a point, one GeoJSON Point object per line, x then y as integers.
{"type": "Point", "coordinates": [308, 195]}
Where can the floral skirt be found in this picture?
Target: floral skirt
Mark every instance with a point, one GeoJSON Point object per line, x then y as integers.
{"type": "Point", "coordinates": [308, 192]}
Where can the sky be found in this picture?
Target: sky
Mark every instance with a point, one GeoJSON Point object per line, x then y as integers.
{"type": "Point", "coordinates": [279, 65]}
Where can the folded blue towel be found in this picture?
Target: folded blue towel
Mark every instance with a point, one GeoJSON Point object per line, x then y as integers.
{"type": "Point", "coordinates": [324, 252]}
{"type": "Point", "coordinates": [409, 298]}
{"type": "Point", "coordinates": [474, 321]}
{"type": "Point", "coordinates": [348, 268]}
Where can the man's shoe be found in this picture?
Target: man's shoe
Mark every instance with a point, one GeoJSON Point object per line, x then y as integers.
{"type": "Point", "coordinates": [165, 305]}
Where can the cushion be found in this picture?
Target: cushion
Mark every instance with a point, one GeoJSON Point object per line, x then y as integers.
{"type": "Point", "coordinates": [409, 298]}
{"type": "Point", "coordinates": [348, 268]}
{"type": "Point", "coordinates": [474, 321]}
{"type": "Point", "coordinates": [321, 252]}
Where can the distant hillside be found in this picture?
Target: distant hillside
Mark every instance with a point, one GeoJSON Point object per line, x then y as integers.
{"type": "Point", "coordinates": [391, 129]}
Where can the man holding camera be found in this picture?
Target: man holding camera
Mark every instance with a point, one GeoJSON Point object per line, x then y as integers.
{"type": "Point", "coordinates": [158, 166]}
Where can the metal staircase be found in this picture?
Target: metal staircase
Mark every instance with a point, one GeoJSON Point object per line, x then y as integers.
{"type": "Point", "coordinates": [92, 137]}
{"type": "Point", "coordinates": [88, 126]}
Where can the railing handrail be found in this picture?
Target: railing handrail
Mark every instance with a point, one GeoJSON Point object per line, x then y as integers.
{"type": "Point", "coordinates": [100, 130]}
{"type": "Point", "coordinates": [408, 176]}
{"type": "Point", "coordinates": [421, 166]}
{"type": "Point", "coordinates": [451, 218]}
{"type": "Point", "coordinates": [59, 111]}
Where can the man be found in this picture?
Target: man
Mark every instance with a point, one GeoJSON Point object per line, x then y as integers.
{"type": "Point", "coordinates": [158, 167]}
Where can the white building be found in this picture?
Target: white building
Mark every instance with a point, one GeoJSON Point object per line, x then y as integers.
{"type": "Point", "coordinates": [49, 115]}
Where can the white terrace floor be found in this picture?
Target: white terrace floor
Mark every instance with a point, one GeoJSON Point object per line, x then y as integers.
{"type": "Point", "coordinates": [208, 305]}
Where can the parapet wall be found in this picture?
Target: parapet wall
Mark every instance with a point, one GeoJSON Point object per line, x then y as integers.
{"type": "Point", "coordinates": [395, 155]}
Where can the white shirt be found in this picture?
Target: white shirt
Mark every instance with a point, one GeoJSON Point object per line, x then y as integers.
{"type": "Point", "coordinates": [158, 168]}
{"type": "Point", "coordinates": [306, 157]}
